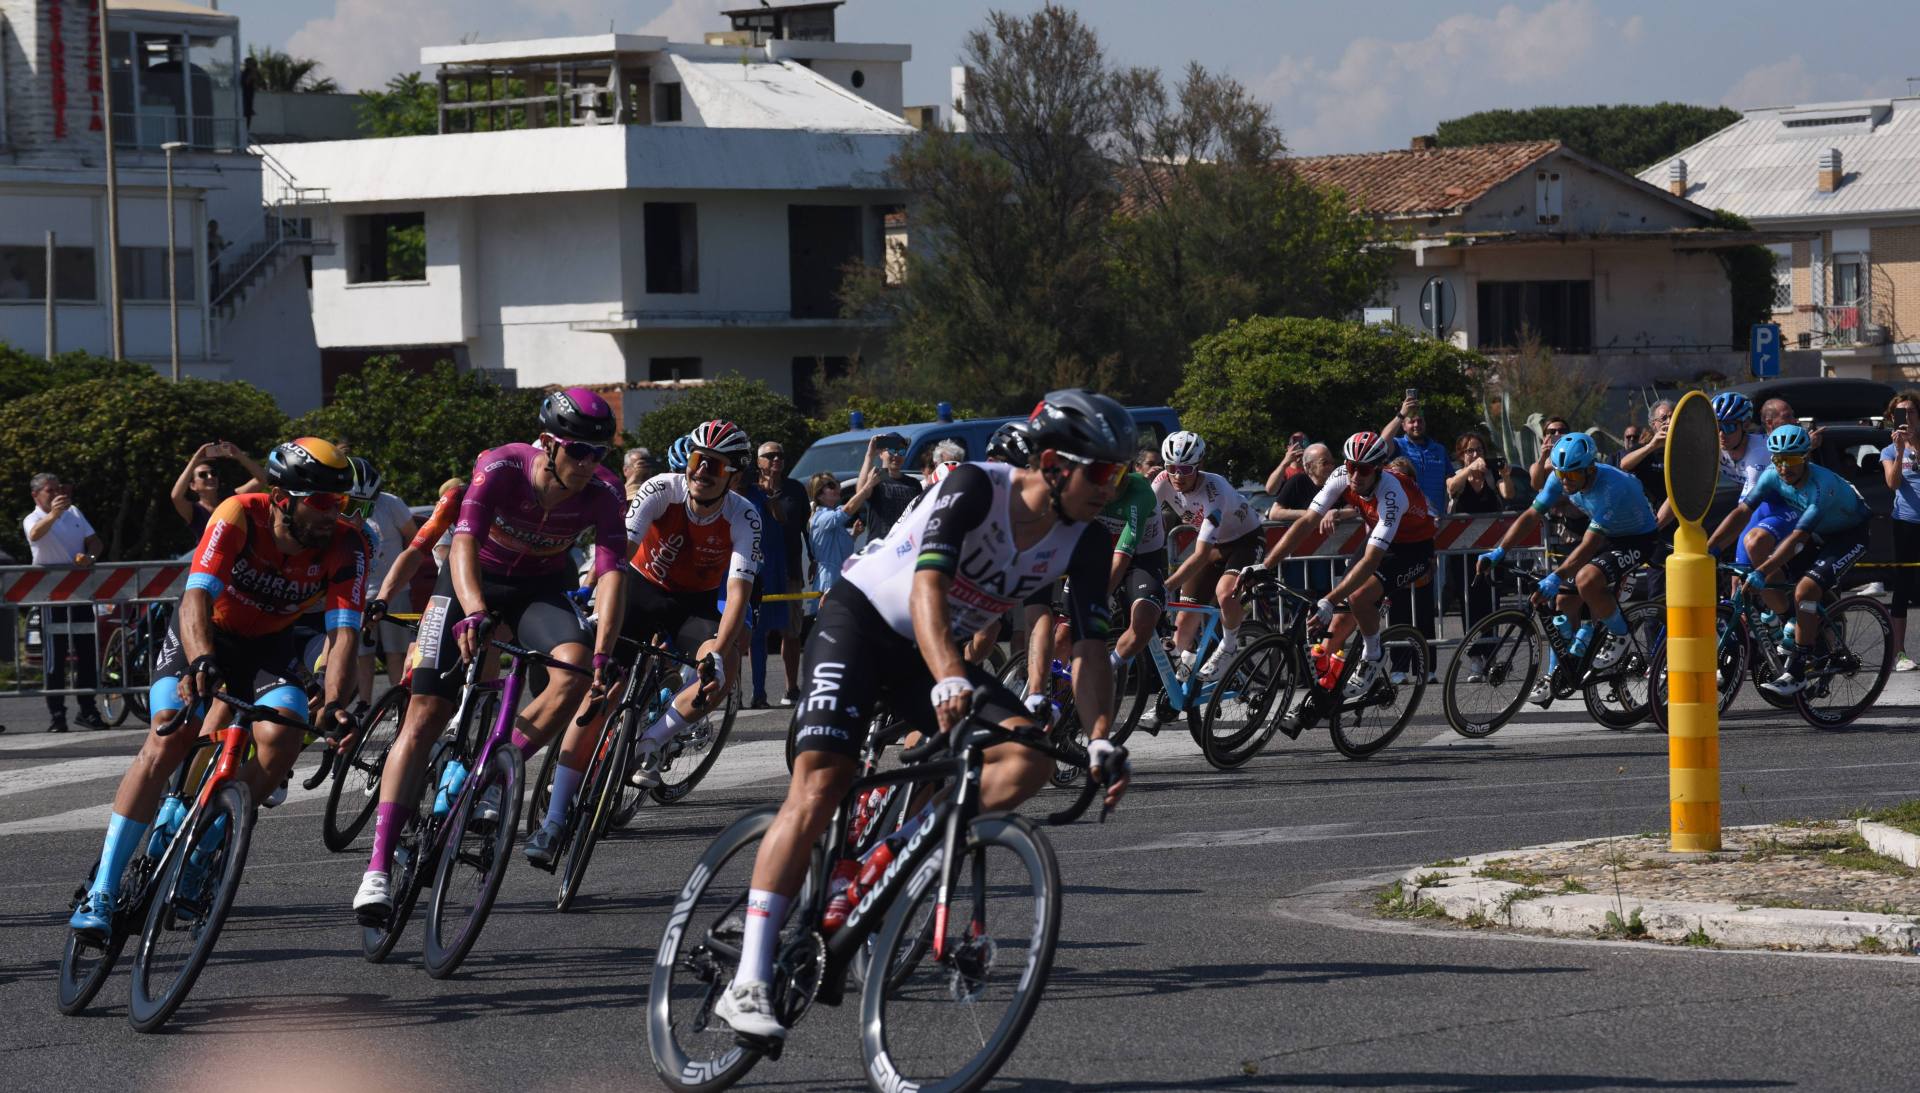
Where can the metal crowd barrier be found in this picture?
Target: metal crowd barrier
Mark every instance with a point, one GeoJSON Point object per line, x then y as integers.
{"type": "Point", "coordinates": [117, 608]}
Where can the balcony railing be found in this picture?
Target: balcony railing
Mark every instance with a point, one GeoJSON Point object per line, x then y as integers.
{"type": "Point", "coordinates": [1849, 325]}
{"type": "Point", "coordinates": [202, 133]}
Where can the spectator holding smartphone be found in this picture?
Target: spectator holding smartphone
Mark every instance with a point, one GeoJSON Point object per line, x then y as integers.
{"type": "Point", "coordinates": [1291, 465]}
{"type": "Point", "coordinates": [894, 491]}
{"type": "Point", "coordinates": [1647, 460]}
{"type": "Point", "coordinates": [1901, 462]}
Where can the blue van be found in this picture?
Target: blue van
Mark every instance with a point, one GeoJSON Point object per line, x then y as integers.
{"type": "Point", "coordinates": [840, 453]}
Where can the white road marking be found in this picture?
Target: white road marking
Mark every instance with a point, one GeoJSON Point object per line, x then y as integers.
{"type": "Point", "coordinates": [49, 775]}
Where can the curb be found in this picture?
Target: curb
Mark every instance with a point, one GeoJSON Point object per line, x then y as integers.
{"type": "Point", "coordinates": [1459, 894]}
{"type": "Point", "coordinates": [1902, 846]}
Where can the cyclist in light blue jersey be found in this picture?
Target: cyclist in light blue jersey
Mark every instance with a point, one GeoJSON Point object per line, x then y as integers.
{"type": "Point", "coordinates": [1828, 537]}
{"type": "Point", "coordinates": [1620, 538]}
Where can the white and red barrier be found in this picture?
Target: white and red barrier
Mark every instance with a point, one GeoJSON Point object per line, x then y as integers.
{"type": "Point", "coordinates": [1461, 534]}
{"type": "Point", "coordinates": [103, 583]}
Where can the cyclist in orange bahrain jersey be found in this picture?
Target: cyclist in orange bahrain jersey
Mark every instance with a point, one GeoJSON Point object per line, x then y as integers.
{"type": "Point", "coordinates": [264, 560]}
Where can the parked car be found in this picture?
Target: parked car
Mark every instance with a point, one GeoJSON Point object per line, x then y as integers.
{"type": "Point", "coordinates": [840, 454]}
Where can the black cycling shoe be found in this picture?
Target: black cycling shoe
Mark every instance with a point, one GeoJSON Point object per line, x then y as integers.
{"type": "Point", "coordinates": [544, 846]}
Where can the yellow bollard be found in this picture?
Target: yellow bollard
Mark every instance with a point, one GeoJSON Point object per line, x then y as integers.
{"type": "Point", "coordinates": [1693, 735]}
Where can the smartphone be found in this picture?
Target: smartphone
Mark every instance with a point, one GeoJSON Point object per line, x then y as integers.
{"type": "Point", "coordinates": [1297, 440]}
{"type": "Point", "coordinates": [1413, 393]}
{"type": "Point", "coordinates": [1900, 420]}
{"type": "Point", "coordinates": [1806, 423]}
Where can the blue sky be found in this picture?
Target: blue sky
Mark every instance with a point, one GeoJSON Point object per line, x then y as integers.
{"type": "Point", "coordinates": [1343, 77]}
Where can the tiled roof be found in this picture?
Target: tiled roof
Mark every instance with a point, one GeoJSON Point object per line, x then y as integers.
{"type": "Point", "coordinates": [1766, 164]}
{"type": "Point", "coordinates": [1425, 181]}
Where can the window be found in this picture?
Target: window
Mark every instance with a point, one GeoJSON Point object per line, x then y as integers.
{"type": "Point", "coordinates": [1547, 198]}
{"type": "Point", "coordinates": [1848, 283]}
{"type": "Point", "coordinates": [673, 247]}
{"type": "Point", "coordinates": [386, 247]}
{"type": "Point", "coordinates": [666, 102]}
{"type": "Point", "coordinates": [1559, 313]}
{"type": "Point", "coordinates": [23, 274]}
{"type": "Point", "coordinates": [859, 79]}
{"type": "Point", "coordinates": [667, 369]}
{"type": "Point", "coordinates": [822, 240]}
{"type": "Point", "coordinates": [143, 273]}
{"type": "Point", "coordinates": [1782, 276]}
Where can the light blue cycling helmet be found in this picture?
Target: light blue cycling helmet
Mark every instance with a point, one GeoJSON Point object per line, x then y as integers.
{"type": "Point", "coordinates": [1574, 452]}
{"type": "Point", "coordinates": [1789, 440]}
{"type": "Point", "coordinates": [677, 454]}
{"type": "Point", "coordinates": [1731, 407]}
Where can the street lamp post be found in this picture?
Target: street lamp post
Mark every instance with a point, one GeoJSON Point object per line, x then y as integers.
{"type": "Point", "coordinates": [173, 266]}
{"type": "Point", "coordinates": [117, 316]}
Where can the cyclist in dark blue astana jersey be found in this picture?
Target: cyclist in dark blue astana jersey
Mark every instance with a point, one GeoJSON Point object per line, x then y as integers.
{"type": "Point", "coordinates": [1619, 539]}
{"type": "Point", "coordinates": [889, 631]}
{"type": "Point", "coordinates": [1828, 537]}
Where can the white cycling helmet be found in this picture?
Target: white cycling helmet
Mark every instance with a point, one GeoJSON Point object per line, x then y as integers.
{"type": "Point", "coordinates": [1183, 447]}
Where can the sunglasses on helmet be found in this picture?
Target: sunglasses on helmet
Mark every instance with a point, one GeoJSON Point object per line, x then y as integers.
{"type": "Point", "coordinates": [579, 449]}
{"type": "Point", "coordinates": [1098, 471]}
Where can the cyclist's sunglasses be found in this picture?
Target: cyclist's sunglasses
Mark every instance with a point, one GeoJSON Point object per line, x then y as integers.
{"type": "Point", "coordinates": [1732, 426]}
{"type": "Point", "coordinates": [322, 502]}
{"type": "Point", "coordinates": [1098, 471]}
{"type": "Point", "coordinates": [699, 458]}
{"type": "Point", "coordinates": [580, 449]}
{"type": "Point", "coordinates": [1789, 460]}
{"type": "Point", "coordinates": [1355, 466]}
{"type": "Point", "coordinates": [1567, 476]}
{"type": "Point", "coordinates": [1182, 468]}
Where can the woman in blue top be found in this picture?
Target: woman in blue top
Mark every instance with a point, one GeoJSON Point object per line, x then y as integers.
{"type": "Point", "coordinates": [830, 529]}
{"type": "Point", "coordinates": [1901, 462]}
{"type": "Point", "coordinates": [1831, 526]}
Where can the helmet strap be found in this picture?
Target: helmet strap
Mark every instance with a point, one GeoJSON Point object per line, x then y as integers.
{"type": "Point", "coordinates": [1056, 479]}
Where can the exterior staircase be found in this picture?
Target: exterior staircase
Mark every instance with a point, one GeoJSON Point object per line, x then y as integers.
{"type": "Point", "coordinates": [285, 231]}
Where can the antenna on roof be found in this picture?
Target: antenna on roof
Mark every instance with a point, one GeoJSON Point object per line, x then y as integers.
{"type": "Point", "coordinates": [1911, 80]}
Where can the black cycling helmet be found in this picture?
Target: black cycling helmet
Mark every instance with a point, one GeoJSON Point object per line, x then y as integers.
{"type": "Point", "coordinates": [309, 465]}
{"type": "Point", "coordinates": [1083, 424]}
{"type": "Point", "coordinates": [576, 413]}
{"type": "Point", "coordinates": [366, 480]}
{"type": "Point", "coordinates": [1009, 444]}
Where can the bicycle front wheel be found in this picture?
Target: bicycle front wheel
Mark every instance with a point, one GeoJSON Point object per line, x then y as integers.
{"type": "Point", "coordinates": [84, 963]}
{"type": "Point", "coordinates": [1620, 697]}
{"type": "Point", "coordinates": [113, 677]}
{"type": "Point", "coordinates": [1257, 685]}
{"type": "Point", "coordinates": [1853, 657]}
{"type": "Point", "coordinates": [694, 1051]}
{"type": "Point", "coordinates": [1362, 725]}
{"type": "Point", "coordinates": [595, 805]}
{"type": "Point", "coordinates": [1730, 665]}
{"type": "Point", "coordinates": [355, 789]}
{"type": "Point", "coordinates": [471, 867]}
{"type": "Point", "coordinates": [193, 896]}
{"type": "Point", "coordinates": [1493, 668]}
{"type": "Point", "coordinates": [949, 1020]}
{"type": "Point", "coordinates": [700, 745]}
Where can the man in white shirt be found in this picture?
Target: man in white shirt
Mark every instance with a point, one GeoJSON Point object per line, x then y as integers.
{"type": "Point", "coordinates": [58, 534]}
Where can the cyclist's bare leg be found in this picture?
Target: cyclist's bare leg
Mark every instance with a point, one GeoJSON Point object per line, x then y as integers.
{"type": "Point", "coordinates": [1039, 647]}
{"type": "Point", "coordinates": [1011, 773]}
{"type": "Point", "coordinates": [546, 714]}
{"type": "Point", "coordinates": [138, 797]}
{"type": "Point", "coordinates": [1595, 592]}
{"type": "Point", "coordinates": [406, 760]}
{"type": "Point", "coordinates": [276, 749]}
{"type": "Point", "coordinates": [1760, 547]}
{"type": "Point", "coordinates": [1140, 626]}
{"type": "Point", "coordinates": [982, 643]}
{"type": "Point", "coordinates": [820, 781]}
{"type": "Point", "coordinates": [1365, 603]}
{"type": "Point", "coordinates": [1807, 618]}
{"type": "Point", "coordinates": [1232, 611]}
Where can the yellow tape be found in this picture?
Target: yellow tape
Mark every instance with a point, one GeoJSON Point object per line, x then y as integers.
{"type": "Point", "coordinates": [787, 597]}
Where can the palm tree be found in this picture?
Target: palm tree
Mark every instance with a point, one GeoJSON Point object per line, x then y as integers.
{"type": "Point", "coordinates": [284, 72]}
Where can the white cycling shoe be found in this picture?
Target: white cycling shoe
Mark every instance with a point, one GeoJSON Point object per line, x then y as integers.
{"type": "Point", "coordinates": [747, 1008]}
{"type": "Point", "coordinates": [375, 897]}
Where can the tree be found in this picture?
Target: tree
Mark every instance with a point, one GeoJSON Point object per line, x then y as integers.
{"type": "Point", "coordinates": [1626, 137]}
{"type": "Point", "coordinates": [23, 373]}
{"type": "Point", "coordinates": [119, 441]}
{"type": "Point", "coordinates": [1529, 381]}
{"type": "Point", "coordinates": [1248, 387]}
{"type": "Point", "coordinates": [750, 404]}
{"type": "Point", "coordinates": [1749, 278]}
{"type": "Point", "coordinates": [409, 107]}
{"type": "Point", "coordinates": [284, 72]}
{"type": "Point", "coordinates": [422, 429]}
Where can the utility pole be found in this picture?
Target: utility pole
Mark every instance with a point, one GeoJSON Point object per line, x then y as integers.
{"type": "Point", "coordinates": [173, 267]}
{"type": "Point", "coordinates": [52, 344]}
{"type": "Point", "coordinates": [113, 191]}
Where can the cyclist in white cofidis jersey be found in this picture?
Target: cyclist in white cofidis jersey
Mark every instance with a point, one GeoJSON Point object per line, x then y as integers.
{"type": "Point", "coordinates": [891, 628]}
{"type": "Point", "coordinates": [1229, 539]}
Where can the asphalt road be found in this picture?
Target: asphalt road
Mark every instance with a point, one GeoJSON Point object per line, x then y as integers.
{"type": "Point", "coordinates": [1216, 935]}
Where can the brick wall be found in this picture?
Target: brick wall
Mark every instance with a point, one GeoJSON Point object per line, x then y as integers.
{"type": "Point", "coordinates": [32, 124]}
{"type": "Point", "coordinates": [1794, 323]}
{"type": "Point", "coordinates": [1896, 281]}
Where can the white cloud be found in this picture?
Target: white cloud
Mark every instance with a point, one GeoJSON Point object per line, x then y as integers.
{"type": "Point", "coordinates": [364, 43]}
{"type": "Point", "coordinates": [1781, 83]}
{"type": "Point", "coordinates": [1634, 29]}
{"type": "Point", "coordinates": [1381, 88]}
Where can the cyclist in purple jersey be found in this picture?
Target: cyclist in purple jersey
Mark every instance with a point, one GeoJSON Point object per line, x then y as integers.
{"type": "Point", "coordinates": [525, 507]}
{"type": "Point", "coordinates": [506, 514]}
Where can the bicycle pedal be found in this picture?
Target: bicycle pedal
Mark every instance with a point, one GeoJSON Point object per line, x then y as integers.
{"type": "Point", "coordinates": [768, 1046]}
{"type": "Point", "coordinates": [374, 918]}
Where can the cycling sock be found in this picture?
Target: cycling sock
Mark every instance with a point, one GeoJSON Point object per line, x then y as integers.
{"type": "Point", "coordinates": [670, 722]}
{"type": "Point", "coordinates": [1229, 639]}
{"type": "Point", "coordinates": [388, 819]}
{"type": "Point", "coordinates": [766, 911]}
{"type": "Point", "coordinates": [123, 838]}
{"type": "Point", "coordinates": [525, 744]}
{"type": "Point", "coordinates": [1370, 646]}
{"type": "Point", "coordinates": [1114, 658]}
{"type": "Point", "coordinates": [566, 783]}
{"type": "Point", "coordinates": [1617, 622]}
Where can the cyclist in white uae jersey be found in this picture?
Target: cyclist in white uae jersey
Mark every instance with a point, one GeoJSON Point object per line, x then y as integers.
{"type": "Point", "coordinates": [890, 628]}
{"type": "Point", "coordinates": [1229, 539]}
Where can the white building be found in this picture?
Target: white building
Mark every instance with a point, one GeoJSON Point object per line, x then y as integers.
{"type": "Point", "coordinates": [172, 68]}
{"type": "Point", "coordinates": [623, 211]}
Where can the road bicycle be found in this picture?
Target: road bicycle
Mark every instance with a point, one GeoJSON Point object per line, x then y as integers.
{"type": "Point", "coordinates": [962, 923]}
{"type": "Point", "coordinates": [355, 764]}
{"type": "Point", "coordinates": [1499, 659]}
{"type": "Point", "coordinates": [1856, 638]}
{"type": "Point", "coordinates": [1278, 682]}
{"type": "Point", "coordinates": [604, 790]}
{"type": "Point", "coordinates": [126, 662]}
{"type": "Point", "coordinates": [463, 850]}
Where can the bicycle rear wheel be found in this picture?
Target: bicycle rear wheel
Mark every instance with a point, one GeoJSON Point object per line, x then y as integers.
{"type": "Point", "coordinates": [355, 789]}
{"type": "Point", "coordinates": [192, 898]}
{"type": "Point", "coordinates": [1361, 727]}
{"type": "Point", "coordinates": [112, 701]}
{"type": "Point", "coordinates": [1256, 686]}
{"type": "Point", "coordinates": [693, 1051]}
{"type": "Point", "coordinates": [411, 868]}
{"type": "Point", "coordinates": [596, 803]}
{"type": "Point", "coordinates": [1730, 665]}
{"type": "Point", "coordinates": [949, 1022]}
{"type": "Point", "coordinates": [1852, 660]}
{"type": "Point", "coordinates": [85, 964]}
{"type": "Point", "coordinates": [700, 746]}
{"type": "Point", "coordinates": [468, 875]}
{"type": "Point", "coordinates": [1493, 668]}
{"type": "Point", "coordinates": [1621, 698]}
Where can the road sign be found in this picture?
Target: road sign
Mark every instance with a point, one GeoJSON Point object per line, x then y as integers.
{"type": "Point", "coordinates": [1436, 306]}
{"type": "Point", "coordinates": [1693, 736]}
{"type": "Point", "coordinates": [1764, 350]}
